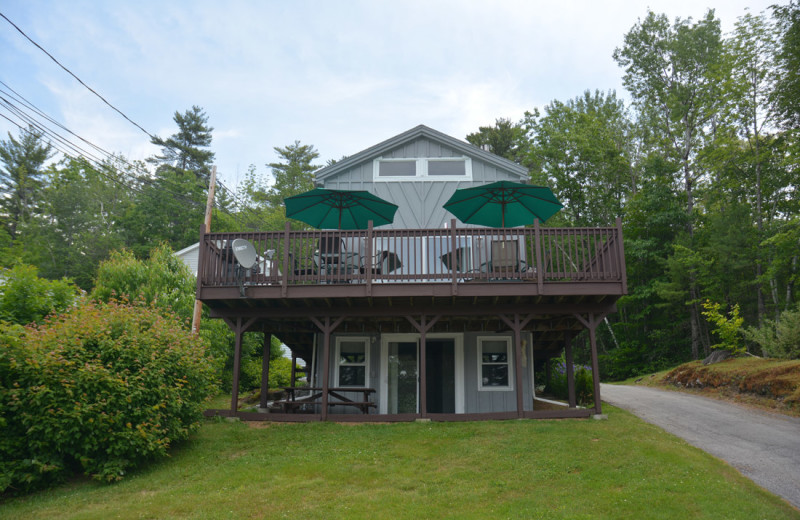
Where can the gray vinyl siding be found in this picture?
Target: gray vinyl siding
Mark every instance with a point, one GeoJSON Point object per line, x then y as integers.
{"type": "Point", "coordinates": [420, 201]}
{"type": "Point", "coordinates": [475, 400]}
{"type": "Point", "coordinates": [373, 372]}
{"type": "Point", "coordinates": [483, 401]}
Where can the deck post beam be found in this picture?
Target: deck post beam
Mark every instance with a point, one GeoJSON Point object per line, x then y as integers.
{"type": "Point", "coordinates": [265, 353]}
{"type": "Point", "coordinates": [570, 369]}
{"type": "Point", "coordinates": [591, 322]}
{"type": "Point", "coordinates": [516, 324]}
{"type": "Point", "coordinates": [239, 327]}
{"type": "Point", "coordinates": [327, 327]}
{"type": "Point", "coordinates": [423, 326]}
{"type": "Point", "coordinates": [293, 377]}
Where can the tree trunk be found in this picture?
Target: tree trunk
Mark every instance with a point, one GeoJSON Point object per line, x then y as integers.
{"type": "Point", "coordinates": [790, 283]}
{"type": "Point", "coordinates": [759, 220]}
{"type": "Point", "coordinates": [694, 317]}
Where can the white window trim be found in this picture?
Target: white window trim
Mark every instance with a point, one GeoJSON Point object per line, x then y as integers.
{"type": "Point", "coordinates": [421, 169]}
{"type": "Point", "coordinates": [365, 364]}
{"type": "Point", "coordinates": [510, 357]}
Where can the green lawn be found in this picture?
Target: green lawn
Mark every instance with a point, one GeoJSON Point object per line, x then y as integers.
{"type": "Point", "coordinates": [618, 468]}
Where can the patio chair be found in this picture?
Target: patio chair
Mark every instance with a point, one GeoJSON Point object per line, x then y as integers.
{"type": "Point", "coordinates": [505, 256]}
{"type": "Point", "coordinates": [333, 258]}
{"type": "Point", "coordinates": [383, 262]}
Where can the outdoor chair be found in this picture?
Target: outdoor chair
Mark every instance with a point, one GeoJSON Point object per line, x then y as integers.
{"type": "Point", "coordinates": [333, 258]}
{"type": "Point", "coordinates": [505, 256]}
{"type": "Point", "coordinates": [383, 262]}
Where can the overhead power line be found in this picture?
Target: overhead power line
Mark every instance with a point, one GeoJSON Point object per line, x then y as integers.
{"type": "Point", "coordinates": [76, 77]}
{"type": "Point", "coordinates": [32, 117]}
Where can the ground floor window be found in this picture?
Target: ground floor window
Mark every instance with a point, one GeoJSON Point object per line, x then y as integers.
{"type": "Point", "coordinates": [352, 356]}
{"type": "Point", "coordinates": [494, 363]}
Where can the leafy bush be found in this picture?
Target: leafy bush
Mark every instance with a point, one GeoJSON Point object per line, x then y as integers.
{"type": "Point", "coordinates": [26, 298]}
{"type": "Point", "coordinates": [280, 373]}
{"type": "Point", "coordinates": [584, 383]}
{"type": "Point", "coordinates": [728, 328]}
{"type": "Point", "coordinates": [98, 390]}
{"type": "Point", "coordinates": [779, 339]}
{"type": "Point", "coordinates": [163, 280]}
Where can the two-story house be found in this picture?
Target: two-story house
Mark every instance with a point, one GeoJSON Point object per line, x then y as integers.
{"type": "Point", "coordinates": [426, 317]}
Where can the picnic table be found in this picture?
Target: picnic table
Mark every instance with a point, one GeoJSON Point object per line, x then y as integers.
{"type": "Point", "coordinates": [293, 402]}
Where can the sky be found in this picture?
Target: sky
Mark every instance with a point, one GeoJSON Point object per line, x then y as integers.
{"type": "Point", "coordinates": [339, 75]}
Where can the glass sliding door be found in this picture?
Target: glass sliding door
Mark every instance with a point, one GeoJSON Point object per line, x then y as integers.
{"type": "Point", "coordinates": [403, 381]}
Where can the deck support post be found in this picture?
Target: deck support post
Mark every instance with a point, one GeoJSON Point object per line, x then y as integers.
{"type": "Point", "coordinates": [570, 369]}
{"type": "Point", "coordinates": [239, 327]}
{"type": "Point", "coordinates": [265, 353]}
{"type": "Point", "coordinates": [327, 327]}
{"type": "Point", "coordinates": [516, 324]}
{"type": "Point", "coordinates": [293, 377]}
{"type": "Point", "coordinates": [423, 326]}
{"type": "Point", "coordinates": [591, 323]}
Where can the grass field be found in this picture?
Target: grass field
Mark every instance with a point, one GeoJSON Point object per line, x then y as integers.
{"type": "Point", "coordinates": [618, 468]}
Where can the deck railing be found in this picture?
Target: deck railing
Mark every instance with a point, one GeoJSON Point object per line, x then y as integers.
{"type": "Point", "coordinates": [449, 255]}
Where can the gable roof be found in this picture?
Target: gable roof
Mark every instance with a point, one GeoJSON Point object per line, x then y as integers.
{"type": "Point", "coordinates": [416, 133]}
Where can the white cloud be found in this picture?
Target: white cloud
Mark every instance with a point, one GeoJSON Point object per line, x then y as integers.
{"type": "Point", "coordinates": [340, 76]}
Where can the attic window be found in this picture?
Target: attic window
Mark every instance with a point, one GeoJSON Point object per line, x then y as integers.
{"type": "Point", "coordinates": [397, 168]}
{"type": "Point", "coordinates": [447, 167]}
{"type": "Point", "coordinates": [429, 168]}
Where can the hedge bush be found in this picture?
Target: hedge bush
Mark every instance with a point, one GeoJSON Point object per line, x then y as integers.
{"type": "Point", "coordinates": [97, 390]}
{"type": "Point", "coordinates": [26, 298]}
{"type": "Point", "coordinates": [584, 383]}
{"type": "Point", "coordinates": [779, 339]}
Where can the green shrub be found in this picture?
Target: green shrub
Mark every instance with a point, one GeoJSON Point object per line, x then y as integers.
{"type": "Point", "coordinates": [26, 298]}
{"type": "Point", "coordinates": [727, 328]}
{"type": "Point", "coordinates": [280, 373]}
{"type": "Point", "coordinates": [98, 390]}
{"type": "Point", "coordinates": [584, 383]}
{"type": "Point", "coordinates": [779, 339]}
{"type": "Point", "coordinates": [163, 280]}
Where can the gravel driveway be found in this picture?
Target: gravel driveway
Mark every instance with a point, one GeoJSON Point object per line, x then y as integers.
{"type": "Point", "coordinates": [764, 447]}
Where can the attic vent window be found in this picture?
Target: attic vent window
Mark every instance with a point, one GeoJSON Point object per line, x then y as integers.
{"type": "Point", "coordinates": [397, 168]}
{"type": "Point", "coordinates": [457, 167]}
{"type": "Point", "coordinates": [428, 168]}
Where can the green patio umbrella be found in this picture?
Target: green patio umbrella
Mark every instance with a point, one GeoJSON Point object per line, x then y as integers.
{"type": "Point", "coordinates": [503, 204]}
{"type": "Point", "coordinates": [339, 209]}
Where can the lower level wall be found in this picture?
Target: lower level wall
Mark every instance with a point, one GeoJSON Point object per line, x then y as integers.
{"type": "Point", "coordinates": [471, 397]}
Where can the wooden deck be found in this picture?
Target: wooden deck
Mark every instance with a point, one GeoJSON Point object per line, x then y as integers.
{"type": "Point", "coordinates": [552, 282]}
{"type": "Point", "coordinates": [377, 277]}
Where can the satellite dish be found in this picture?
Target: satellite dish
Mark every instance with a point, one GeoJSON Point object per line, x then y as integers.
{"type": "Point", "coordinates": [245, 253]}
{"type": "Point", "coordinates": [247, 258]}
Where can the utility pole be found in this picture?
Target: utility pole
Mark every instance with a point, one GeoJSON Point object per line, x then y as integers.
{"type": "Point", "coordinates": [198, 305]}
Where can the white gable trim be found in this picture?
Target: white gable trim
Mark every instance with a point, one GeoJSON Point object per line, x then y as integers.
{"type": "Point", "coordinates": [417, 132]}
